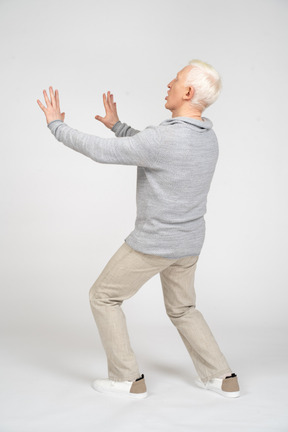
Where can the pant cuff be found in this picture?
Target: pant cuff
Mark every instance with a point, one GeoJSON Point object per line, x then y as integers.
{"type": "Point", "coordinates": [216, 375]}
{"type": "Point", "coordinates": [129, 378]}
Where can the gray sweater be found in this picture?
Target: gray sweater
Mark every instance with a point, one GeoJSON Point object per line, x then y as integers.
{"type": "Point", "coordinates": [175, 165]}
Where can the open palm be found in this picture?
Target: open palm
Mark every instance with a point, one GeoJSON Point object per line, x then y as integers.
{"type": "Point", "coordinates": [52, 110]}
{"type": "Point", "coordinates": [111, 116]}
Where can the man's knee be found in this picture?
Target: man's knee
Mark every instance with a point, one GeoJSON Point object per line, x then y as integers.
{"type": "Point", "coordinates": [178, 312]}
{"type": "Point", "coordinates": [94, 293]}
{"type": "Point", "coordinates": [99, 296]}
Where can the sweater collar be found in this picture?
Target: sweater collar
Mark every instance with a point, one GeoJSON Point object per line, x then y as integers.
{"type": "Point", "coordinates": [205, 124]}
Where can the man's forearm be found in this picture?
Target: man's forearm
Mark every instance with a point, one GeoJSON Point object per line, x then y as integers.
{"type": "Point", "coordinates": [130, 150]}
{"type": "Point", "coordinates": [89, 145]}
{"type": "Point", "coordinates": [122, 129]}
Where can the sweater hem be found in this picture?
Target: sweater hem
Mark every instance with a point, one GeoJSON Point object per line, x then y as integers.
{"type": "Point", "coordinates": [167, 253]}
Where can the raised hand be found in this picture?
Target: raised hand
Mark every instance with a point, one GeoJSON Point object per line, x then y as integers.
{"type": "Point", "coordinates": [52, 111]}
{"type": "Point", "coordinates": [111, 116]}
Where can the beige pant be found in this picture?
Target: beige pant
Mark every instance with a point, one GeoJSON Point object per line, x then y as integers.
{"type": "Point", "coordinates": [121, 278]}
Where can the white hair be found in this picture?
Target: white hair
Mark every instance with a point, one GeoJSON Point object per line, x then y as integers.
{"type": "Point", "coordinates": [206, 83]}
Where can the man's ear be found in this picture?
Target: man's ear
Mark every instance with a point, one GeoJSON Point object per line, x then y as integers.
{"type": "Point", "coordinates": [189, 93]}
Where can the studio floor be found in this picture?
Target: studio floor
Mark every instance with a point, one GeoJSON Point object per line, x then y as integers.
{"type": "Point", "coordinates": [46, 376]}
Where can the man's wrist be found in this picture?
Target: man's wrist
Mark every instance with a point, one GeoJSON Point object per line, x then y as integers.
{"type": "Point", "coordinates": [114, 125]}
{"type": "Point", "coordinates": [51, 121]}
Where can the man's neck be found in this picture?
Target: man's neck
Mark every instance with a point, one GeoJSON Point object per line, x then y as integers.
{"type": "Point", "coordinates": [187, 112]}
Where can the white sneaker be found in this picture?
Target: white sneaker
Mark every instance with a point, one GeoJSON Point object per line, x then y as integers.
{"type": "Point", "coordinates": [133, 389]}
{"type": "Point", "coordinates": [227, 387]}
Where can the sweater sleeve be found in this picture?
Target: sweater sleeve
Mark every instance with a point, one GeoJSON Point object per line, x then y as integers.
{"type": "Point", "coordinates": [139, 150]}
{"type": "Point", "coordinates": [122, 129]}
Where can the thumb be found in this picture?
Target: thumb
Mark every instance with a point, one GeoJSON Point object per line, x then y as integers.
{"type": "Point", "coordinates": [101, 119]}
{"type": "Point", "coordinates": [63, 116]}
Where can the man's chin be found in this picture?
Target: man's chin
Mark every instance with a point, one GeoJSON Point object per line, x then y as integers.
{"type": "Point", "coordinates": [167, 106]}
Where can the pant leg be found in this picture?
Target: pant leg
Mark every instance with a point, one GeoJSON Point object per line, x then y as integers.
{"type": "Point", "coordinates": [121, 278]}
{"type": "Point", "coordinates": [180, 302]}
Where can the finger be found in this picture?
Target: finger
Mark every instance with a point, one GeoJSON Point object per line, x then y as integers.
{"type": "Point", "coordinates": [53, 102]}
{"type": "Point", "coordinates": [114, 109]}
{"type": "Point", "coordinates": [46, 98]}
{"type": "Point", "coordinates": [57, 99]}
{"type": "Point", "coordinates": [41, 105]}
{"type": "Point", "coordinates": [105, 102]}
{"type": "Point", "coordinates": [111, 101]}
{"type": "Point", "coordinates": [97, 117]}
{"type": "Point", "coordinates": [104, 97]}
{"type": "Point", "coordinates": [108, 100]}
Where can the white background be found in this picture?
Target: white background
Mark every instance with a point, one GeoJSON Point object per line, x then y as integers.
{"type": "Point", "coordinates": [63, 215]}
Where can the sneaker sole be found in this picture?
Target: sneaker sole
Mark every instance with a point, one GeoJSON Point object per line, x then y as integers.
{"type": "Point", "coordinates": [200, 384]}
{"type": "Point", "coordinates": [225, 394]}
{"type": "Point", "coordinates": [120, 394]}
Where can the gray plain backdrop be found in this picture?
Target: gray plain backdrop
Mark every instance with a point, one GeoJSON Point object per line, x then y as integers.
{"type": "Point", "coordinates": [63, 216]}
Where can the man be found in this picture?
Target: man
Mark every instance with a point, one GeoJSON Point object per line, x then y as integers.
{"type": "Point", "coordinates": [175, 165]}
